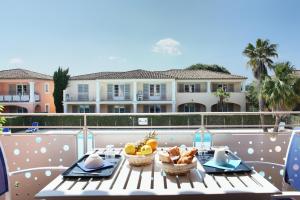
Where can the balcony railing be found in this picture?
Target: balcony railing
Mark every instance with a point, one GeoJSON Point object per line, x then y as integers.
{"type": "Point", "coordinates": [74, 98]}
{"type": "Point", "coordinates": [62, 138]}
{"type": "Point", "coordinates": [18, 98]}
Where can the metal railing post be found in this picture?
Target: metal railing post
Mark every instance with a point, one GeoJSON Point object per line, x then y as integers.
{"type": "Point", "coordinates": [85, 135]}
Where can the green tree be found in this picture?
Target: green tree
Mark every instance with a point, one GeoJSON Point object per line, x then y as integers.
{"type": "Point", "coordinates": [252, 96]}
{"type": "Point", "coordinates": [279, 91]}
{"type": "Point", "coordinates": [260, 60]}
{"type": "Point", "coordinates": [61, 79]}
{"type": "Point", "coordinates": [2, 119]}
{"type": "Point", "coordinates": [223, 97]}
{"type": "Point", "coordinates": [215, 68]}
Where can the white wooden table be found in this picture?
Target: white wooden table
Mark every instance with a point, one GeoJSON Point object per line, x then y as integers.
{"type": "Point", "coordinates": [150, 182]}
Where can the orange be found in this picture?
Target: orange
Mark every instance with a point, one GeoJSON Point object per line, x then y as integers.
{"type": "Point", "coordinates": [153, 143]}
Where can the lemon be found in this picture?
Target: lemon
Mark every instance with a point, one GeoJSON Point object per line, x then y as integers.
{"type": "Point", "coordinates": [139, 153]}
{"type": "Point", "coordinates": [146, 149]}
{"type": "Point", "coordinates": [130, 148]}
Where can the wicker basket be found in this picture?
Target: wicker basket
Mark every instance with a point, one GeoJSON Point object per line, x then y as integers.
{"type": "Point", "coordinates": [140, 160]}
{"type": "Point", "coordinates": [178, 169]}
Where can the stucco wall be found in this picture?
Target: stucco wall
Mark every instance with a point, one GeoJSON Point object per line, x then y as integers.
{"type": "Point", "coordinates": [45, 97]}
{"type": "Point", "coordinates": [72, 89]}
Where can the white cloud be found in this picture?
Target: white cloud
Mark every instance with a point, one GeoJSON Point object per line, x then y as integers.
{"type": "Point", "coordinates": [117, 59]}
{"type": "Point", "coordinates": [113, 58]}
{"type": "Point", "coordinates": [167, 46]}
{"type": "Point", "coordinates": [16, 61]}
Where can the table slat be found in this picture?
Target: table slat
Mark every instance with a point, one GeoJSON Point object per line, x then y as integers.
{"type": "Point", "coordinates": [146, 178]}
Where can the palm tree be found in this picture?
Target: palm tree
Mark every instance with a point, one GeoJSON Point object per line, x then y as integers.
{"type": "Point", "coordinates": [279, 91]}
{"type": "Point", "coordinates": [260, 60]}
{"type": "Point", "coordinates": [223, 96]}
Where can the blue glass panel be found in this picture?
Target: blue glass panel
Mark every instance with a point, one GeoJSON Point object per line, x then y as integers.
{"type": "Point", "coordinates": [3, 175]}
{"type": "Point", "coordinates": [292, 171]}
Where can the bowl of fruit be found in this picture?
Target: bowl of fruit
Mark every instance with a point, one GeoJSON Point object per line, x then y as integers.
{"type": "Point", "coordinates": [178, 162]}
{"type": "Point", "coordinates": [142, 152]}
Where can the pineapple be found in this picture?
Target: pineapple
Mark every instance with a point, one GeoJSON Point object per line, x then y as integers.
{"type": "Point", "coordinates": [139, 144]}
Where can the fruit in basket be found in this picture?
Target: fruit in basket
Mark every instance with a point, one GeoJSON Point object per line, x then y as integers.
{"type": "Point", "coordinates": [130, 148]}
{"type": "Point", "coordinates": [136, 149]}
{"type": "Point", "coordinates": [146, 149]}
{"type": "Point", "coordinates": [150, 136]}
{"type": "Point", "coordinates": [153, 143]}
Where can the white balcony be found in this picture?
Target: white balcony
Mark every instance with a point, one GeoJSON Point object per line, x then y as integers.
{"type": "Point", "coordinates": [18, 98]}
{"type": "Point", "coordinates": [53, 147]}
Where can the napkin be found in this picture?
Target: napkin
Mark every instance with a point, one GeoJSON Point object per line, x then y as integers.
{"type": "Point", "coordinates": [231, 165]}
{"type": "Point", "coordinates": [106, 164]}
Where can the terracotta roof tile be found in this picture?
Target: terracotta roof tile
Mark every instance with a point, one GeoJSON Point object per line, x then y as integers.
{"type": "Point", "coordinates": [200, 74]}
{"type": "Point", "coordinates": [22, 74]}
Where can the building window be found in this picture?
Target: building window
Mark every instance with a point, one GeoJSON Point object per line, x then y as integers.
{"type": "Point", "coordinates": [189, 88]}
{"type": "Point", "coordinates": [119, 90]}
{"type": "Point", "coordinates": [46, 88]}
{"type": "Point", "coordinates": [84, 108]}
{"type": "Point", "coordinates": [21, 110]}
{"type": "Point", "coordinates": [189, 107]}
{"type": "Point", "coordinates": [154, 109]}
{"type": "Point", "coordinates": [47, 108]}
{"type": "Point", "coordinates": [227, 87]}
{"type": "Point", "coordinates": [119, 109]}
{"type": "Point", "coordinates": [154, 90]}
{"type": "Point", "coordinates": [83, 92]}
{"type": "Point", "coordinates": [22, 89]}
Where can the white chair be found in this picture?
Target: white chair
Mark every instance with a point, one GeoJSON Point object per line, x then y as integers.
{"type": "Point", "coordinates": [281, 126]}
{"type": "Point", "coordinates": [37, 97]}
{"type": "Point", "coordinates": [4, 174]}
{"type": "Point", "coordinates": [140, 96]}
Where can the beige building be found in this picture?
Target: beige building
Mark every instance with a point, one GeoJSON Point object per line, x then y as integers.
{"type": "Point", "coordinates": [141, 91]}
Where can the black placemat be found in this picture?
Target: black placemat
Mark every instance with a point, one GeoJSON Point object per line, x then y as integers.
{"type": "Point", "coordinates": [76, 172]}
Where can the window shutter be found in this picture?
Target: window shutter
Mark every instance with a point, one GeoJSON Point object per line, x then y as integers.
{"type": "Point", "coordinates": [146, 108]}
{"type": "Point", "coordinates": [127, 108]}
{"type": "Point", "coordinates": [203, 87]}
{"type": "Point", "coordinates": [163, 91]}
{"type": "Point", "coordinates": [12, 89]}
{"type": "Point", "coordinates": [109, 91]}
{"type": "Point", "coordinates": [163, 108]}
{"type": "Point", "coordinates": [214, 87]}
{"type": "Point", "coordinates": [127, 91]}
{"type": "Point", "coordinates": [74, 109]}
{"type": "Point", "coordinates": [180, 87]}
{"type": "Point", "coordinates": [230, 87]}
{"type": "Point", "coordinates": [146, 91]}
{"type": "Point", "coordinates": [197, 87]}
{"type": "Point", "coordinates": [110, 109]}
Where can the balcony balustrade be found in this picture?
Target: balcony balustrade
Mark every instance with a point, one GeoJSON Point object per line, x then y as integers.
{"type": "Point", "coordinates": [61, 141]}
{"type": "Point", "coordinates": [18, 98]}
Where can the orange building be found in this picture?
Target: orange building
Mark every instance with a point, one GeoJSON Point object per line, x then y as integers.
{"type": "Point", "coordinates": [24, 91]}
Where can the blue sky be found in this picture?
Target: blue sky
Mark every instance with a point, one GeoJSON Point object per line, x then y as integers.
{"type": "Point", "coordinates": [113, 35]}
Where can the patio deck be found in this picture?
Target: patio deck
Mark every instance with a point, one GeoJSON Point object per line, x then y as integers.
{"type": "Point", "coordinates": [61, 146]}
